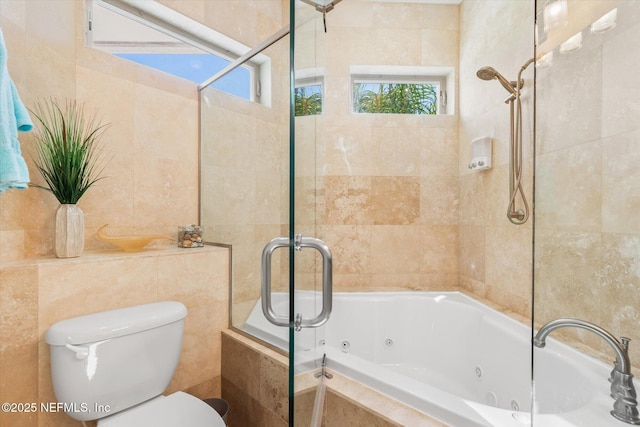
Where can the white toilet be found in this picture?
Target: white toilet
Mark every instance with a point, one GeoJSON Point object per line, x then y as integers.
{"type": "Point", "coordinates": [113, 366]}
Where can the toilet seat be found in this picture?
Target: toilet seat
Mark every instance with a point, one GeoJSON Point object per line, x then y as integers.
{"type": "Point", "coordinates": [176, 410]}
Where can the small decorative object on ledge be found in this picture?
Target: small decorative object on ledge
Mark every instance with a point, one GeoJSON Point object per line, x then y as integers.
{"type": "Point", "coordinates": [190, 236]}
{"type": "Point", "coordinates": [128, 243]}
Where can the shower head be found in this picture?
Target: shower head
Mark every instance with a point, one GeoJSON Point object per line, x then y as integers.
{"type": "Point", "coordinates": [487, 73]}
{"type": "Point", "coordinates": [490, 73]}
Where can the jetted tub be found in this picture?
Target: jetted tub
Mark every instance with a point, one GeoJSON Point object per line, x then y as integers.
{"type": "Point", "coordinates": [448, 356]}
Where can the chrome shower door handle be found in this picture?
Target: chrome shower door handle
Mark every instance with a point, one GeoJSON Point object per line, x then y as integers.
{"type": "Point", "coordinates": [265, 278]}
{"type": "Point", "coordinates": [327, 281]}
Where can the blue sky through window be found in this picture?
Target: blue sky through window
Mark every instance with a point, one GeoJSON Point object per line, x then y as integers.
{"type": "Point", "coordinates": [196, 68]}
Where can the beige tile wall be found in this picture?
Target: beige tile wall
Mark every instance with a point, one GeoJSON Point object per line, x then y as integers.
{"type": "Point", "coordinates": [36, 294]}
{"type": "Point", "coordinates": [381, 190]}
{"type": "Point", "coordinates": [146, 188]}
{"type": "Point", "coordinates": [495, 255]}
{"type": "Point", "coordinates": [587, 225]}
{"type": "Point", "coordinates": [151, 183]}
{"type": "Point", "coordinates": [386, 196]}
{"type": "Point", "coordinates": [151, 186]}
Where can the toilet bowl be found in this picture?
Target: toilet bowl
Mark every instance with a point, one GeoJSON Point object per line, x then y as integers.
{"type": "Point", "coordinates": [177, 409]}
{"type": "Point", "coordinates": [114, 366]}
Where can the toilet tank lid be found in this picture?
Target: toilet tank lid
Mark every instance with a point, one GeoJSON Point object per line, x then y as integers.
{"type": "Point", "coordinates": [114, 323]}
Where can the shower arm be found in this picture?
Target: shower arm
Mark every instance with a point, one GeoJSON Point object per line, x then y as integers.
{"type": "Point", "coordinates": [322, 8]}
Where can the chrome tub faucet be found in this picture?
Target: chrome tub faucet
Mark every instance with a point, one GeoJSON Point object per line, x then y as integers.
{"type": "Point", "coordinates": [625, 407]}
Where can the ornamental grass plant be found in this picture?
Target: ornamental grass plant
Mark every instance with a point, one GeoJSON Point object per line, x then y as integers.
{"type": "Point", "coordinates": [66, 149]}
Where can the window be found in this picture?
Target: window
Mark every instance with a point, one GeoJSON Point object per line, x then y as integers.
{"type": "Point", "coordinates": [309, 92]}
{"type": "Point", "coordinates": [400, 90]}
{"type": "Point", "coordinates": [156, 36]}
{"type": "Point", "coordinates": [197, 67]}
{"type": "Point", "coordinates": [308, 100]}
{"type": "Point", "coordinates": [396, 98]}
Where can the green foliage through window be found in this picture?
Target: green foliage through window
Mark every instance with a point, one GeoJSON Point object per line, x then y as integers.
{"type": "Point", "coordinates": [395, 98]}
{"type": "Point", "coordinates": [308, 100]}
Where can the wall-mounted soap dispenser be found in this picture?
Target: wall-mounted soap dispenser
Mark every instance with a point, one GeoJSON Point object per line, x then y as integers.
{"type": "Point", "coordinates": [480, 153]}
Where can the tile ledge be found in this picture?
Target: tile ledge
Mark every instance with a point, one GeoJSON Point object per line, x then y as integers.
{"type": "Point", "coordinates": [112, 254]}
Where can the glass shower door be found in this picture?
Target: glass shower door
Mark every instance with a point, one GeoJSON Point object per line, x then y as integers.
{"type": "Point", "coordinates": [258, 191]}
{"type": "Point", "coordinates": [259, 196]}
{"type": "Point", "coordinates": [245, 202]}
{"type": "Point", "coordinates": [310, 270]}
{"type": "Point", "coordinates": [299, 258]}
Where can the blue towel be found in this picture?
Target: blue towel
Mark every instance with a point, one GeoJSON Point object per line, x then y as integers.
{"type": "Point", "coordinates": [13, 118]}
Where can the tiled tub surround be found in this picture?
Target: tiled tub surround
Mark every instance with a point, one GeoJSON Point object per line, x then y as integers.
{"type": "Point", "coordinates": [254, 382]}
{"type": "Point", "coordinates": [363, 181]}
{"type": "Point", "coordinates": [372, 181]}
{"type": "Point", "coordinates": [34, 294]}
{"type": "Point", "coordinates": [465, 364]}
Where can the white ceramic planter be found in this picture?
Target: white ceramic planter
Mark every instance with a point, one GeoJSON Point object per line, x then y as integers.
{"type": "Point", "coordinates": [69, 231]}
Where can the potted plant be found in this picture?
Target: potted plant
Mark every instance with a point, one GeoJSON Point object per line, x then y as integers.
{"type": "Point", "coordinates": [67, 156]}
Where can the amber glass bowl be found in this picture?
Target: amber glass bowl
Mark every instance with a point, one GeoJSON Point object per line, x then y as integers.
{"type": "Point", "coordinates": [128, 243]}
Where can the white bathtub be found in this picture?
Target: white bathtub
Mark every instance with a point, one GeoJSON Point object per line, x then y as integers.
{"type": "Point", "coordinates": [448, 356]}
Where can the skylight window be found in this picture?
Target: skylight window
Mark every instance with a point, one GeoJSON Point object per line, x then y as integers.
{"type": "Point", "coordinates": [156, 36]}
{"type": "Point", "coordinates": [196, 67]}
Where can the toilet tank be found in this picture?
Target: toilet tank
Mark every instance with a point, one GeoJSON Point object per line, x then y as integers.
{"type": "Point", "coordinates": [106, 362]}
